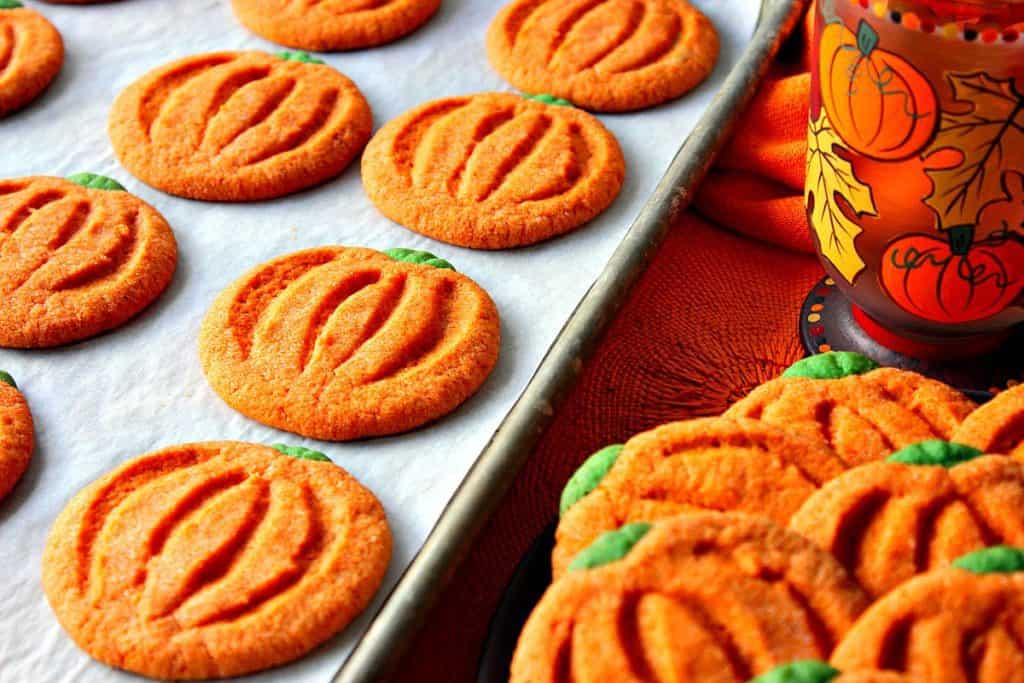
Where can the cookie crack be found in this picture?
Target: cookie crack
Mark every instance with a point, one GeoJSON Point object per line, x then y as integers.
{"type": "Point", "coordinates": [8, 39]}
{"type": "Point", "coordinates": [637, 12]}
{"type": "Point", "coordinates": [328, 306]}
{"type": "Point", "coordinates": [120, 253]}
{"type": "Point", "coordinates": [517, 156]}
{"type": "Point", "coordinates": [561, 31]}
{"type": "Point", "coordinates": [226, 90]}
{"type": "Point", "coordinates": [155, 98]}
{"type": "Point", "coordinates": [304, 133]}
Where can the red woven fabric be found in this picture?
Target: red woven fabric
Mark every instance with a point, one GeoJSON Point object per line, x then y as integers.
{"type": "Point", "coordinates": [714, 316]}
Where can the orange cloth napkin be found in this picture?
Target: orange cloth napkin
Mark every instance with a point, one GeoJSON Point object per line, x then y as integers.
{"type": "Point", "coordinates": [714, 315]}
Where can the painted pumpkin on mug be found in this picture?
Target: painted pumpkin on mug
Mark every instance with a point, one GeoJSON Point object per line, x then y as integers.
{"type": "Point", "coordinates": [966, 273]}
{"type": "Point", "coordinates": [878, 103]}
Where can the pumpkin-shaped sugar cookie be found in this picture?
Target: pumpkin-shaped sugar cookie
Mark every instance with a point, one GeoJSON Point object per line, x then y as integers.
{"type": "Point", "coordinates": [31, 54]}
{"type": "Point", "coordinates": [955, 625]}
{"type": "Point", "coordinates": [710, 597]}
{"type": "Point", "coordinates": [703, 464]}
{"type": "Point", "coordinates": [77, 257]}
{"type": "Point", "coordinates": [239, 126]}
{"type": "Point", "coordinates": [608, 56]}
{"type": "Point", "coordinates": [929, 504]}
{"type": "Point", "coordinates": [997, 426]}
{"type": "Point", "coordinates": [212, 560]}
{"type": "Point", "coordinates": [340, 343]}
{"type": "Point", "coordinates": [864, 413]}
{"type": "Point", "coordinates": [493, 170]}
{"type": "Point", "coordinates": [333, 24]}
{"type": "Point", "coordinates": [17, 434]}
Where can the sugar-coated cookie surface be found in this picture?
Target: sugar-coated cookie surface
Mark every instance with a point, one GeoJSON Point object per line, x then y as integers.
{"type": "Point", "coordinates": [605, 55]}
{"type": "Point", "coordinates": [997, 426]}
{"type": "Point", "coordinates": [333, 24]}
{"type": "Point", "coordinates": [493, 170]}
{"type": "Point", "coordinates": [213, 560]}
{"type": "Point", "coordinates": [710, 597]}
{"type": "Point", "coordinates": [31, 54]}
{"type": "Point", "coordinates": [863, 417]}
{"type": "Point", "coordinates": [239, 126]}
{"type": "Point", "coordinates": [341, 343]}
{"type": "Point", "coordinates": [946, 626]}
{"type": "Point", "coordinates": [17, 435]}
{"type": "Point", "coordinates": [76, 261]}
{"type": "Point", "coordinates": [703, 464]}
{"type": "Point", "coordinates": [887, 522]}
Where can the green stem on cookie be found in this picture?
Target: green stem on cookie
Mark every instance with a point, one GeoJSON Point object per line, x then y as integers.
{"type": "Point", "coordinates": [299, 56]}
{"type": "Point", "coordinates": [588, 476]}
{"type": "Point", "coordinates": [804, 671]}
{"type": "Point", "coordinates": [423, 258]}
{"type": "Point", "coordinates": [831, 365]}
{"type": "Point", "coordinates": [935, 453]}
{"type": "Point", "coordinates": [610, 546]}
{"type": "Point", "coordinates": [301, 453]}
{"type": "Point", "coordinates": [96, 182]}
{"type": "Point", "coordinates": [549, 99]}
{"type": "Point", "coordinates": [1000, 559]}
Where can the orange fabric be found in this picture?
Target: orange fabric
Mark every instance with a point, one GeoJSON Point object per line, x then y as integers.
{"type": "Point", "coordinates": [714, 315]}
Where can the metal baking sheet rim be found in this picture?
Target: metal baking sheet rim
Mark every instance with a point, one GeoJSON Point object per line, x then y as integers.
{"type": "Point", "coordinates": [404, 610]}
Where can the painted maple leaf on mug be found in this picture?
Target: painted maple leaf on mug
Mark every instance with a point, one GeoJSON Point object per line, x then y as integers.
{"type": "Point", "coordinates": [835, 197]}
{"type": "Point", "coordinates": [985, 131]}
{"type": "Point", "coordinates": [971, 268]}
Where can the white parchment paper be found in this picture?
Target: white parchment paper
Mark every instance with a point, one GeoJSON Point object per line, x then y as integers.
{"type": "Point", "coordinates": [139, 388]}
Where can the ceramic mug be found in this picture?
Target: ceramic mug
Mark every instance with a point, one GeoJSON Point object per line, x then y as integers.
{"type": "Point", "coordinates": [915, 165]}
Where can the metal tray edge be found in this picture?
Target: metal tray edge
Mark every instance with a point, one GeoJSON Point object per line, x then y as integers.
{"type": "Point", "coordinates": [404, 610]}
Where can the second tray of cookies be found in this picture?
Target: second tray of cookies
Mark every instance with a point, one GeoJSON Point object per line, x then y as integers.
{"type": "Point", "coordinates": [186, 205]}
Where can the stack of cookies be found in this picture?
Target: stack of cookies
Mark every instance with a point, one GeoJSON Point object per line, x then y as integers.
{"type": "Point", "coordinates": [222, 558]}
{"type": "Point", "coordinates": [843, 522]}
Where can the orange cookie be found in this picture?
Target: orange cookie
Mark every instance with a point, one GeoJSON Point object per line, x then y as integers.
{"type": "Point", "coordinates": [863, 412]}
{"type": "Point", "coordinates": [710, 597]}
{"type": "Point", "coordinates": [212, 560]}
{"type": "Point", "coordinates": [342, 343]}
{"type": "Point", "coordinates": [930, 504]}
{"type": "Point", "coordinates": [947, 626]}
{"type": "Point", "coordinates": [703, 464]}
{"type": "Point", "coordinates": [239, 126]}
{"type": "Point", "coordinates": [31, 54]}
{"type": "Point", "coordinates": [17, 434]}
{"type": "Point", "coordinates": [333, 24]}
{"type": "Point", "coordinates": [77, 257]}
{"type": "Point", "coordinates": [997, 426]}
{"type": "Point", "coordinates": [616, 55]}
{"type": "Point", "coordinates": [493, 171]}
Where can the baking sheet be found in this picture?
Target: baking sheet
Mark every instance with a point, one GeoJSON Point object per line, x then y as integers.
{"type": "Point", "coordinates": [139, 388]}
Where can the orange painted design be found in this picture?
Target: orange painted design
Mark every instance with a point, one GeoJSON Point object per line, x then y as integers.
{"type": "Point", "coordinates": [891, 183]}
{"type": "Point", "coordinates": [877, 102]}
{"type": "Point", "coordinates": [954, 280]}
